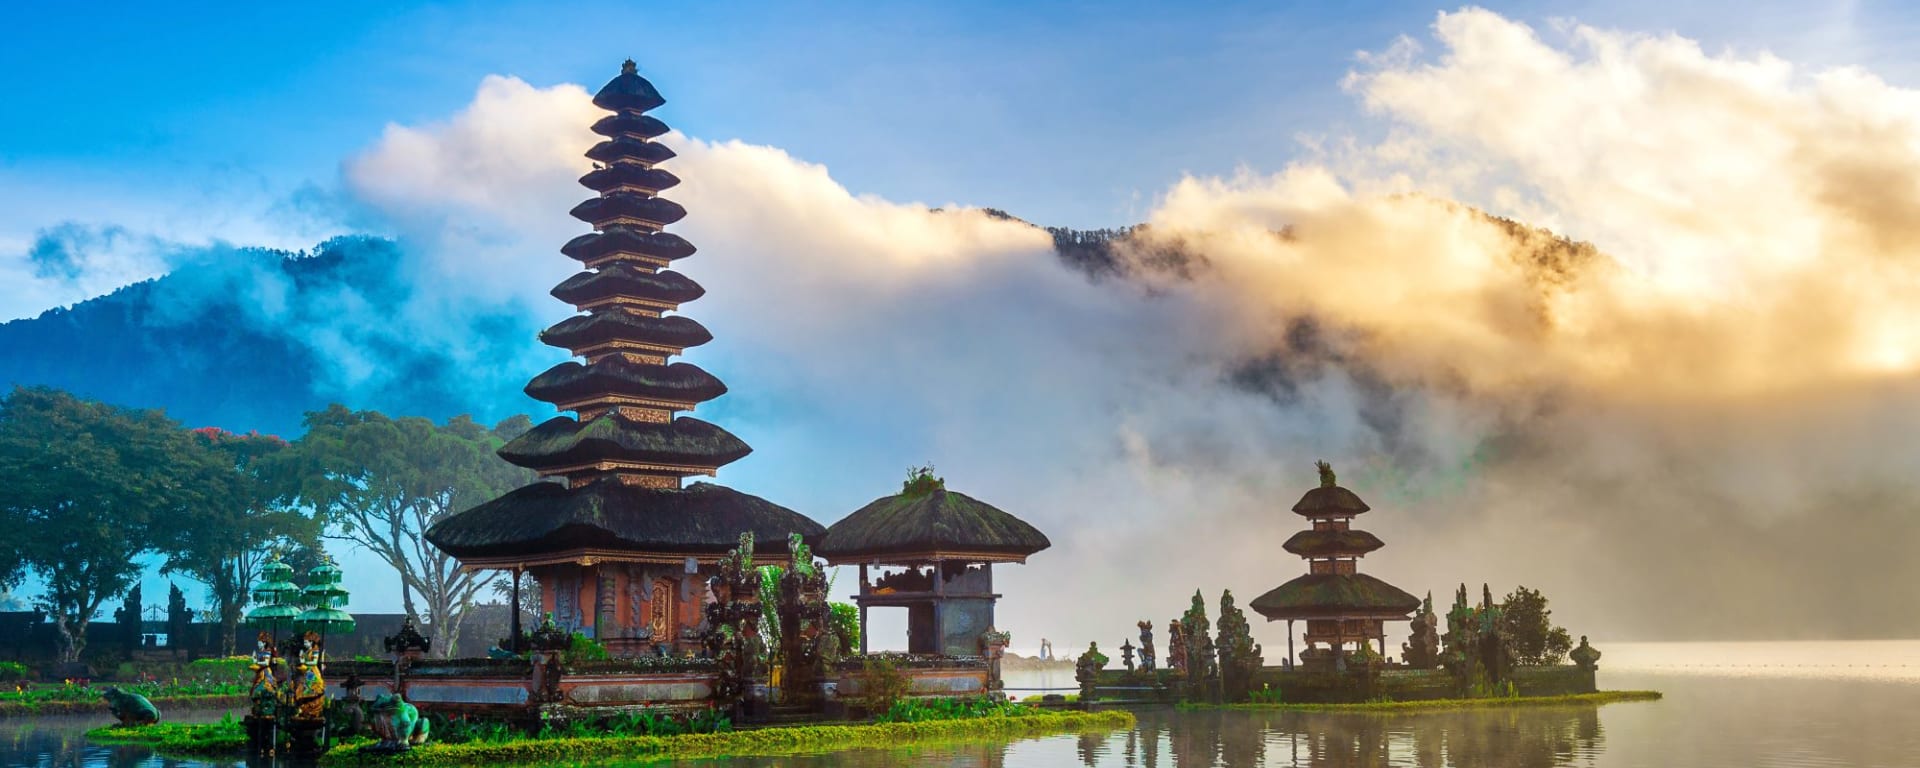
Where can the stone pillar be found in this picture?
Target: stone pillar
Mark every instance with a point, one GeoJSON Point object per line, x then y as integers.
{"type": "Point", "coordinates": [939, 609]}
{"type": "Point", "coordinates": [605, 605]}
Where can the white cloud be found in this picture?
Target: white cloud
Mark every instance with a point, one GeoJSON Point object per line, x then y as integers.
{"type": "Point", "coordinates": [1703, 397]}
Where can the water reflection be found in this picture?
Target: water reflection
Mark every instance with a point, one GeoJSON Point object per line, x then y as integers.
{"type": "Point", "coordinates": [1783, 721]}
{"type": "Point", "coordinates": [1517, 738]}
{"type": "Point", "coordinates": [60, 742]}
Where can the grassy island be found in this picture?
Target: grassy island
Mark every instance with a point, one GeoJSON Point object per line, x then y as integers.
{"type": "Point", "coordinates": [37, 707]}
{"type": "Point", "coordinates": [1442, 705]}
{"type": "Point", "coordinates": [229, 738]}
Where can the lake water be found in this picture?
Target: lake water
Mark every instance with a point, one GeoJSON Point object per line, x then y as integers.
{"type": "Point", "coordinates": [1727, 704]}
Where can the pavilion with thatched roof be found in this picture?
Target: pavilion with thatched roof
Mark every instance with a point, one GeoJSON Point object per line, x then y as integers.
{"type": "Point", "coordinates": [946, 543]}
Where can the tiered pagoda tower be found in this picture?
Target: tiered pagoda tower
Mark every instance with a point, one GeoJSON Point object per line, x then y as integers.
{"type": "Point", "coordinates": [1339, 604]}
{"type": "Point", "coordinates": [618, 544]}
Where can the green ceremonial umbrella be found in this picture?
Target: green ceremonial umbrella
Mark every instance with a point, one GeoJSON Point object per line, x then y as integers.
{"type": "Point", "coordinates": [326, 621]}
{"type": "Point", "coordinates": [274, 597]}
{"type": "Point", "coordinates": [324, 597]}
{"type": "Point", "coordinates": [276, 585]}
{"type": "Point", "coordinates": [323, 588]}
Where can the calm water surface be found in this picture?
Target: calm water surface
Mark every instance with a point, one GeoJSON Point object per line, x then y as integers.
{"type": "Point", "coordinates": [1727, 704]}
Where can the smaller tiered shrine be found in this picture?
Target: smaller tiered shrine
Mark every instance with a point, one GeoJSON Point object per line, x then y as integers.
{"type": "Point", "coordinates": [1339, 604]}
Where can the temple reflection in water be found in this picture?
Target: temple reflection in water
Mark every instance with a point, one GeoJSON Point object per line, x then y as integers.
{"type": "Point", "coordinates": [1488, 738]}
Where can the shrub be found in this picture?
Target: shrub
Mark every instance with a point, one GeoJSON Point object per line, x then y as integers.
{"type": "Point", "coordinates": [882, 684]}
{"type": "Point", "coordinates": [228, 668]}
{"type": "Point", "coordinates": [585, 648]}
{"type": "Point", "coordinates": [13, 671]}
{"type": "Point", "coordinates": [924, 710]}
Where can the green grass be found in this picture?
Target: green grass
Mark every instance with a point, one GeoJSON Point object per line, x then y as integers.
{"type": "Point", "coordinates": [763, 741]}
{"type": "Point", "coordinates": [228, 736]}
{"type": "Point", "coordinates": [79, 706]}
{"type": "Point", "coordinates": [1434, 705]}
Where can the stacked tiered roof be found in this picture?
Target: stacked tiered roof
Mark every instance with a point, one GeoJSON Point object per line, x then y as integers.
{"type": "Point", "coordinates": [622, 461]}
{"type": "Point", "coordinates": [1339, 604]}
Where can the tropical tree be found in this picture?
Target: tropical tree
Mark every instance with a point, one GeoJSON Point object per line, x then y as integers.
{"type": "Point", "coordinates": [1527, 624]}
{"type": "Point", "coordinates": [380, 482]}
{"type": "Point", "coordinates": [250, 487]}
{"type": "Point", "coordinates": [86, 484]}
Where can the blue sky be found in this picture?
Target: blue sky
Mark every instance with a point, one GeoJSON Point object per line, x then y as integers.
{"type": "Point", "coordinates": [1063, 113]}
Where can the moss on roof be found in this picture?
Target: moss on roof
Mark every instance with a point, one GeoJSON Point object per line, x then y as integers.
{"type": "Point", "coordinates": [1332, 543]}
{"type": "Point", "coordinates": [1331, 595]}
{"type": "Point", "coordinates": [1330, 501]}
{"type": "Point", "coordinates": [562, 441]}
{"type": "Point", "coordinates": [927, 521]}
{"type": "Point", "coordinates": [545, 518]}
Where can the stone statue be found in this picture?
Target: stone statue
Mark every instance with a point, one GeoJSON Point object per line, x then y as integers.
{"type": "Point", "coordinates": [1176, 647]}
{"type": "Point", "coordinates": [1046, 649]}
{"type": "Point", "coordinates": [397, 724]}
{"type": "Point", "coordinates": [1146, 645]}
{"type": "Point", "coordinates": [130, 708]}
{"type": "Point", "coordinates": [1422, 649]}
{"type": "Point", "coordinates": [1586, 656]}
{"type": "Point", "coordinates": [408, 641]}
{"type": "Point", "coordinates": [353, 716]}
{"type": "Point", "coordinates": [1086, 670]}
{"type": "Point", "coordinates": [1126, 654]}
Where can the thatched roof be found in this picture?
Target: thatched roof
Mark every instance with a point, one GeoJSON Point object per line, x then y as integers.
{"type": "Point", "coordinates": [606, 515]}
{"type": "Point", "coordinates": [628, 148]}
{"type": "Point", "coordinates": [685, 441]}
{"type": "Point", "coordinates": [623, 279]}
{"type": "Point", "coordinates": [572, 382]}
{"type": "Point", "coordinates": [1333, 595]}
{"type": "Point", "coordinates": [628, 90]}
{"type": "Point", "coordinates": [1330, 501]}
{"type": "Point", "coordinates": [936, 522]}
{"type": "Point", "coordinates": [644, 125]}
{"type": "Point", "coordinates": [579, 331]}
{"type": "Point", "coordinates": [1332, 543]}
{"type": "Point", "coordinates": [603, 179]}
{"type": "Point", "coordinates": [660, 245]}
{"type": "Point", "coordinates": [599, 210]}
